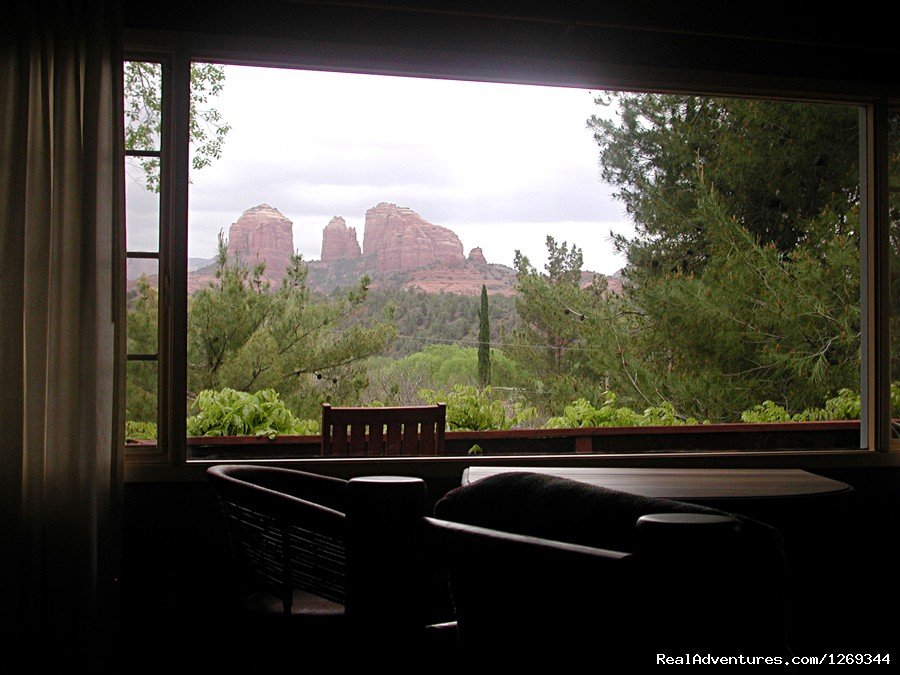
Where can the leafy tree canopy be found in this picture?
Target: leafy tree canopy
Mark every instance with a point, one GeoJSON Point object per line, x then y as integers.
{"type": "Point", "coordinates": [143, 114]}
{"type": "Point", "coordinates": [777, 167]}
{"type": "Point", "coordinates": [742, 278]}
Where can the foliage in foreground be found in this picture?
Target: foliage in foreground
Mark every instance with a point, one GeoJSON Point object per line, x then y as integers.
{"type": "Point", "coordinates": [238, 413]}
{"type": "Point", "coordinates": [473, 409]}
{"type": "Point", "coordinates": [582, 413]}
{"type": "Point", "coordinates": [753, 324]}
{"type": "Point", "coordinates": [234, 413]}
{"type": "Point", "coordinates": [139, 431]}
{"type": "Point", "coordinates": [845, 406]}
{"type": "Point", "coordinates": [245, 335]}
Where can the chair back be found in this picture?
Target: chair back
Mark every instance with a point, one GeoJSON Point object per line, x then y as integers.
{"type": "Point", "coordinates": [378, 432]}
{"type": "Point", "coordinates": [545, 566]}
{"type": "Point", "coordinates": [286, 529]}
{"type": "Point", "coordinates": [520, 600]}
{"type": "Point", "coordinates": [357, 543]}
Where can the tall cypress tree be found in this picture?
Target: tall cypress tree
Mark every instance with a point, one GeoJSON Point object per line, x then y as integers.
{"type": "Point", "coordinates": [484, 341]}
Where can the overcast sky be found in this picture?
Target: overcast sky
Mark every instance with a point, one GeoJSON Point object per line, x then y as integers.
{"type": "Point", "coordinates": [500, 165]}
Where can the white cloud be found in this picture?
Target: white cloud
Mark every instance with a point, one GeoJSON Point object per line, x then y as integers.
{"type": "Point", "coordinates": [483, 159]}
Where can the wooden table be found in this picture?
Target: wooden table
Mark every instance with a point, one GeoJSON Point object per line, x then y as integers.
{"type": "Point", "coordinates": [688, 484]}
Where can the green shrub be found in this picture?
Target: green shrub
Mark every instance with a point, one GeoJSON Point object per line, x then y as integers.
{"type": "Point", "coordinates": [473, 409]}
{"type": "Point", "coordinates": [581, 413]}
{"type": "Point", "coordinates": [227, 412]}
{"type": "Point", "coordinates": [140, 431]}
{"type": "Point", "coordinates": [767, 411]}
{"type": "Point", "coordinates": [845, 406]}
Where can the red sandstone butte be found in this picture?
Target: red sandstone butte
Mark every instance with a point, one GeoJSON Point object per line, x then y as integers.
{"type": "Point", "coordinates": [262, 234]}
{"type": "Point", "coordinates": [339, 242]}
{"type": "Point", "coordinates": [398, 239]}
{"type": "Point", "coordinates": [476, 255]}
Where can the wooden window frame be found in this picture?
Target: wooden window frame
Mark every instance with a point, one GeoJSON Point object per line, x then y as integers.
{"type": "Point", "coordinates": [177, 51]}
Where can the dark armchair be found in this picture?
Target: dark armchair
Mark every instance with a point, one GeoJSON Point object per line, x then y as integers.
{"type": "Point", "coordinates": [345, 557]}
{"type": "Point", "coordinates": [287, 532]}
{"type": "Point", "coordinates": [544, 569]}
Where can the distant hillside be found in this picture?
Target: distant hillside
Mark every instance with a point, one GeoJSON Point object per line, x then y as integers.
{"type": "Point", "coordinates": [149, 267]}
{"type": "Point", "coordinates": [424, 318]}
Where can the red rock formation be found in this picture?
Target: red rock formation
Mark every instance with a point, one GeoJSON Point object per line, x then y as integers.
{"type": "Point", "coordinates": [476, 255]}
{"type": "Point", "coordinates": [398, 239]}
{"type": "Point", "coordinates": [465, 279]}
{"type": "Point", "coordinates": [339, 241]}
{"type": "Point", "coordinates": [262, 234]}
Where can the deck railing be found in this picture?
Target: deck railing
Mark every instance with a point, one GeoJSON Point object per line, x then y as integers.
{"type": "Point", "coordinates": [598, 440]}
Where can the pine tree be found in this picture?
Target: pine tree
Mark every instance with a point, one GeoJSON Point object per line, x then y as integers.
{"type": "Point", "coordinates": [245, 335]}
{"type": "Point", "coordinates": [484, 341]}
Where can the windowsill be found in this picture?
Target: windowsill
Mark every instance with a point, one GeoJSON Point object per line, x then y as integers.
{"type": "Point", "coordinates": [452, 467]}
{"type": "Point", "coordinates": [603, 441]}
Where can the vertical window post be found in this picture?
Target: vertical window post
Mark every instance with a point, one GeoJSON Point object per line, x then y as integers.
{"type": "Point", "coordinates": [875, 278]}
{"type": "Point", "coordinates": [176, 163]}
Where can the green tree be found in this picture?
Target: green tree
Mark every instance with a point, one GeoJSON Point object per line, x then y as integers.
{"type": "Point", "coordinates": [755, 324]}
{"type": "Point", "coordinates": [742, 278]}
{"type": "Point", "coordinates": [777, 167]}
{"type": "Point", "coordinates": [143, 114]}
{"type": "Point", "coordinates": [440, 367]}
{"type": "Point", "coordinates": [484, 340]}
{"type": "Point", "coordinates": [141, 337]}
{"type": "Point", "coordinates": [245, 335]}
{"type": "Point", "coordinates": [558, 322]}
{"type": "Point", "coordinates": [425, 318]}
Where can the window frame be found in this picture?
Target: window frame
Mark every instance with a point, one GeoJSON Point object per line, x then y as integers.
{"type": "Point", "coordinates": [160, 453]}
{"type": "Point", "coordinates": [892, 109]}
{"type": "Point", "coordinates": [177, 51]}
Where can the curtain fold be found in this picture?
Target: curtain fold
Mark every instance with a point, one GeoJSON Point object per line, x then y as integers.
{"type": "Point", "coordinates": [61, 344]}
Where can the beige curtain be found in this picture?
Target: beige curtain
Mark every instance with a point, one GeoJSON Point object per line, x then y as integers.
{"type": "Point", "coordinates": [60, 343]}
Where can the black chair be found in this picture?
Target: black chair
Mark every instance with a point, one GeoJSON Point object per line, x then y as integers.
{"type": "Point", "coordinates": [286, 531]}
{"type": "Point", "coordinates": [345, 558]}
{"type": "Point", "coordinates": [546, 570]}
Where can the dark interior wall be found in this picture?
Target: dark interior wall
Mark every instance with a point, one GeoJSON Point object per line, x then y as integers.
{"type": "Point", "coordinates": [838, 549]}
{"type": "Point", "coordinates": [560, 40]}
{"type": "Point", "coordinates": [177, 580]}
{"type": "Point", "coordinates": [177, 577]}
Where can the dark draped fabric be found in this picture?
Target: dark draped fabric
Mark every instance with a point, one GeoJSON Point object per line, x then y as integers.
{"type": "Point", "coordinates": [60, 343]}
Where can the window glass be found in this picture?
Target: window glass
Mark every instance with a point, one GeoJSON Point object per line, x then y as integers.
{"type": "Point", "coordinates": [894, 224]}
{"type": "Point", "coordinates": [142, 86]}
{"type": "Point", "coordinates": [142, 304]}
{"type": "Point", "coordinates": [642, 260]}
{"type": "Point", "coordinates": [143, 105]}
{"type": "Point", "coordinates": [141, 206]}
{"type": "Point", "coordinates": [141, 405]}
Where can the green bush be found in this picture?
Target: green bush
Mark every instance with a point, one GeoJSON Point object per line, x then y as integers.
{"type": "Point", "coordinates": [473, 409]}
{"type": "Point", "coordinates": [227, 412]}
{"type": "Point", "coordinates": [140, 431]}
{"type": "Point", "coordinates": [845, 406]}
{"type": "Point", "coordinates": [581, 413]}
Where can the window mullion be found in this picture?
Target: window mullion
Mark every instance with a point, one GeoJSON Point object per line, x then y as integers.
{"type": "Point", "coordinates": [875, 279]}
{"type": "Point", "coordinates": [173, 258]}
